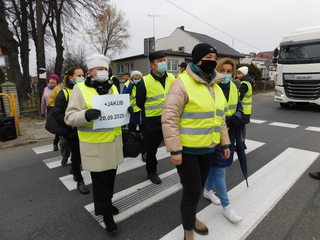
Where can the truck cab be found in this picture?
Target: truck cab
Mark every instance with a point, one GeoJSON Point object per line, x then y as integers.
{"type": "Point", "coordinates": [298, 68]}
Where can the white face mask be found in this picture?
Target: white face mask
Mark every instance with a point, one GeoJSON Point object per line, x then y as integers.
{"type": "Point", "coordinates": [102, 76]}
{"type": "Point", "coordinates": [136, 81]}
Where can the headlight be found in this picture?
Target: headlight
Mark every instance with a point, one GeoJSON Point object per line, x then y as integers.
{"type": "Point", "coordinates": [278, 93]}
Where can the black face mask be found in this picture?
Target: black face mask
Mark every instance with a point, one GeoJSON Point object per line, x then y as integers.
{"type": "Point", "coordinates": [207, 66]}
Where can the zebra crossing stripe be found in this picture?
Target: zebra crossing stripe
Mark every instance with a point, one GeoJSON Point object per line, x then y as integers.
{"type": "Point", "coordinates": [315, 129]}
{"type": "Point", "coordinates": [145, 194]}
{"type": "Point", "coordinates": [127, 165]}
{"type": "Point", "coordinates": [257, 121]}
{"type": "Point", "coordinates": [286, 125]}
{"type": "Point", "coordinates": [267, 187]}
{"type": "Point", "coordinates": [54, 162]}
{"type": "Point", "coordinates": [43, 149]}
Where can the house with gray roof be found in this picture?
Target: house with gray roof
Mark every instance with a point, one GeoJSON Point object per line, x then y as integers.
{"type": "Point", "coordinates": [184, 41]}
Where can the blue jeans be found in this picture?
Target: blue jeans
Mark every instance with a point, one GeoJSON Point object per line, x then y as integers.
{"type": "Point", "coordinates": [217, 179]}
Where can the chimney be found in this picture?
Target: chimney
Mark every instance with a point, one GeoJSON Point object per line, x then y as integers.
{"type": "Point", "coordinates": [182, 28]}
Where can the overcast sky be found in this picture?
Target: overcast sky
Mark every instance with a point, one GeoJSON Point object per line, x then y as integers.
{"type": "Point", "coordinates": [260, 24]}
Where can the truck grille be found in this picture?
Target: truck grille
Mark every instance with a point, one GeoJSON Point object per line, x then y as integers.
{"type": "Point", "coordinates": [303, 89]}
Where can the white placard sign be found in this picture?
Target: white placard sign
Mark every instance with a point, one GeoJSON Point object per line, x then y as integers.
{"type": "Point", "coordinates": [114, 110]}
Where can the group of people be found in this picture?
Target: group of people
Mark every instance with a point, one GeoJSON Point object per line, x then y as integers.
{"type": "Point", "coordinates": [197, 114]}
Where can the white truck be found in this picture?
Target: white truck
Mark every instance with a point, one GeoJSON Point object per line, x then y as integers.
{"type": "Point", "coordinates": [298, 69]}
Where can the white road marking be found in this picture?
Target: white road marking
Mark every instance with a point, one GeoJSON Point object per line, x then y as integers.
{"type": "Point", "coordinates": [267, 187]}
{"type": "Point", "coordinates": [127, 165]}
{"type": "Point", "coordinates": [280, 124]}
{"type": "Point", "coordinates": [252, 145]}
{"type": "Point", "coordinates": [257, 121]}
{"type": "Point", "coordinates": [54, 162]}
{"type": "Point", "coordinates": [43, 149]}
{"type": "Point", "coordinates": [131, 163]}
{"type": "Point", "coordinates": [315, 129]}
{"type": "Point", "coordinates": [143, 203]}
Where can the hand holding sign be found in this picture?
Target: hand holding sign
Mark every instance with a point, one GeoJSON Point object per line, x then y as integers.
{"type": "Point", "coordinates": [114, 110]}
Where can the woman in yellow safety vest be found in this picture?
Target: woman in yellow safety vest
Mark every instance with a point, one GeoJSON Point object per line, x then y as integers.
{"type": "Point", "coordinates": [193, 123]}
{"type": "Point", "coordinates": [234, 116]}
{"type": "Point", "coordinates": [101, 149]}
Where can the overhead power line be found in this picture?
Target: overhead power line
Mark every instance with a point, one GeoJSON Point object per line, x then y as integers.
{"type": "Point", "coordinates": [215, 28]}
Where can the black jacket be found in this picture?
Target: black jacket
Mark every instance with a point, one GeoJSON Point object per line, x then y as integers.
{"type": "Point", "coordinates": [59, 110]}
{"type": "Point", "coordinates": [243, 87]}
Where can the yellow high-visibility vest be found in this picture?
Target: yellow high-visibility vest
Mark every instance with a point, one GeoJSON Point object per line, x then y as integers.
{"type": "Point", "coordinates": [156, 94]}
{"type": "Point", "coordinates": [247, 99]}
{"type": "Point", "coordinates": [133, 94]}
{"type": "Point", "coordinates": [86, 132]}
{"type": "Point", "coordinates": [233, 100]}
{"type": "Point", "coordinates": [200, 122]}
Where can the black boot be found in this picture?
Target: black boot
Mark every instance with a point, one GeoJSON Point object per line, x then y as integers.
{"type": "Point", "coordinates": [82, 188]}
{"type": "Point", "coordinates": [111, 226]}
{"type": "Point", "coordinates": [115, 210]}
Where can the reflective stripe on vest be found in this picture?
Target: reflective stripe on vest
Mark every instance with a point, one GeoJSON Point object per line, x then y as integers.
{"type": "Point", "coordinates": [233, 100]}
{"type": "Point", "coordinates": [200, 122]}
{"type": "Point", "coordinates": [247, 99]}
{"type": "Point", "coordinates": [133, 94]}
{"type": "Point", "coordinates": [86, 132]}
{"type": "Point", "coordinates": [156, 94]}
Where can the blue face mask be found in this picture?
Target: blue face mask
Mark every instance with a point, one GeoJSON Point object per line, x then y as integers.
{"type": "Point", "coordinates": [162, 67]}
{"type": "Point", "coordinates": [79, 79]}
{"type": "Point", "coordinates": [227, 78]}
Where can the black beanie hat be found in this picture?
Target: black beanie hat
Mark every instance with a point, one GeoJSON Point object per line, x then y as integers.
{"type": "Point", "coordinates": [200, 50]}
{"type": "Point", "coordinates": [156, 55]}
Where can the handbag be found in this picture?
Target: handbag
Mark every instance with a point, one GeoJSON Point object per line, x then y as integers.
{"type": "Point", "coordinates": [53, 126]}
{"type": "Point", "coordinates": [133, 143]}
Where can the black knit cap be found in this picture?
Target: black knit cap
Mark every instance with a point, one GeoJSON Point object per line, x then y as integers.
{"type": "Point", "coordinates": [200, 50]}
{"type": "Point", "coordinates": [156, 55]}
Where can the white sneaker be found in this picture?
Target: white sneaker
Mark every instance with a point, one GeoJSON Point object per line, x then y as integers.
{"type": "Point", "coordinates": [211, 196]}
{"type": "Point", "coordinates": [231, 215]}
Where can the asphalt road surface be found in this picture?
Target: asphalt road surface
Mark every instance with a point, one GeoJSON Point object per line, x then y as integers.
{"type": "Point", "coordinates": [38, 199]}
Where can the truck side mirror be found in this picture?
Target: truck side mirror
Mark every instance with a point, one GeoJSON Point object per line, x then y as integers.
{"type": "Point", "coordinates": [275, 52]}
{"type": "Point", "coordinates": [274, 60]}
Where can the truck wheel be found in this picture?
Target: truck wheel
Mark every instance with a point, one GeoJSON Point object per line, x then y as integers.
{"type": "Point", "coordinates": [284, 105]}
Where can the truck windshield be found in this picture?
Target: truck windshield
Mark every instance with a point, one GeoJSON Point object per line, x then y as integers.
{"type": "Point", "coordinates": [299, 54]}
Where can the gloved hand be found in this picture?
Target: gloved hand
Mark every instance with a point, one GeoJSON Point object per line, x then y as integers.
{"type": "Point", "coordinates": [130, 109]}
{"type": "Point", "coordinates": [233, 122]}
{"type": "Point", "coordinates": [92, 114]}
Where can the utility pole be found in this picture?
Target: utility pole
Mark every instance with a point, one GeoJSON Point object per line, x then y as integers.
{"type": "Point", "coordinates": [154, 24]}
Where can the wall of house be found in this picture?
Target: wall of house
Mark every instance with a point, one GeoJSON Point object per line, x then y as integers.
{"type": "Point", "coordinates": [177, 39]}
{"type": "Point", "coordinates": [126, 66]}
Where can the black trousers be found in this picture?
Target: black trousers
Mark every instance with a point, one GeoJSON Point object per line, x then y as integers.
{"type": "Point", "coordinates": [73, 143]}
{"type": "Point", "coordinates": [153, 137]}
{"type": "Point", "coordinates": [102, 188]}
{"type": "Point", "coordinates": [193, 174]}
{"type": "Point", "coordinates": [56, 139]}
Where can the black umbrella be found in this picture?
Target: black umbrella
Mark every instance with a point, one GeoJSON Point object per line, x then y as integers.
{"type": "Point", "coordinates": [240, 149]}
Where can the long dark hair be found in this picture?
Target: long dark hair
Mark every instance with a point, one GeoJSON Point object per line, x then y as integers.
{"type": "Point", "coordinates": [68, 74]}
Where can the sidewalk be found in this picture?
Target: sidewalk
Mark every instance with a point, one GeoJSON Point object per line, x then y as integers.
{"type": "Point", "coordinates": [32, 131]}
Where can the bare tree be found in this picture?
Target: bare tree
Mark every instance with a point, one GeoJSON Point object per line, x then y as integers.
{"type": "Point", "coordinates": [9, 47]}
{"type": "Point", "coordinates": [109, 33]}
{"type": "Point", "coordinates": [75, 57]}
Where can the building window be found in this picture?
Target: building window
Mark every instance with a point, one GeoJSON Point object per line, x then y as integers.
{"type": "Point", "coordinates": [130, 67]}
{"type": "Point", "coordinates": [120, 68]}
{"type": "Point", "coordinates": [181, 49]}
{"type": "Point", "coordinates": [172, 65]}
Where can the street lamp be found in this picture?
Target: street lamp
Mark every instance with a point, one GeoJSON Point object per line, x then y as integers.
{"type": "Point", "coordinates": [153, 19]}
